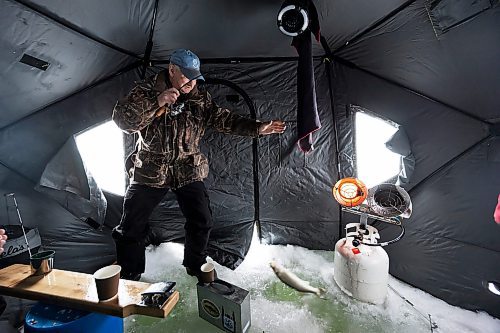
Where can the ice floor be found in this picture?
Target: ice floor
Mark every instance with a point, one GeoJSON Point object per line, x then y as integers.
{"type": "Point", "coordinates": [277, 308]}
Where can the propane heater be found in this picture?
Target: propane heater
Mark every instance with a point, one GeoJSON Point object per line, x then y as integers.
{"type": "Point", "coordinates": [361, 265]}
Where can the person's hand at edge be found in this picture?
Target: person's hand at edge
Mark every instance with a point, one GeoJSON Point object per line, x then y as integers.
{"type": "Point", "coordinates": [3, 239]}
{"type": "Point", "coordinates": [496, 214]}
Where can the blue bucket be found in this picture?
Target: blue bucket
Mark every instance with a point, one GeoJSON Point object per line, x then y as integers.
{"type": "Point", "coordinates": [57, 319]}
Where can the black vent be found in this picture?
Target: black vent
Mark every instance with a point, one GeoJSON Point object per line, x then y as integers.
{"type": "Point", "coordinates": [34, 62]}
{"type": "Point", "coordinates": [448, 14]}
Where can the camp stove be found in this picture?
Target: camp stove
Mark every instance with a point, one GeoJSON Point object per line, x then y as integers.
{"type": "Point", "coordinates": [361, 265]}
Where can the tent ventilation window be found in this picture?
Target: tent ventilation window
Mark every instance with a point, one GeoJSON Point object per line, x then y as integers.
{"type": "Point", "coordinates": [34, 62]}
{"type": "Point", "coordinates": [101, 149]}
{"type": "Point", "coordinates": [375, 163]}
{"type": "Point", "coordinates": [448, 14]}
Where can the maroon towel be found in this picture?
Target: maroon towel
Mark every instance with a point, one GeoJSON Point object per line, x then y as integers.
{"type": "Point", "coordinates": [307, 109]}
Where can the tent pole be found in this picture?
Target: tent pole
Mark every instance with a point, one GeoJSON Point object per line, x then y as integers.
{"type": "Point", "coordinates": [72, 27]}
{"type": "Point", "coordinates": [255, 150]}
{"type": "Point", "coordinates": [328, 68]}
{"type": "Point", "coordinates": [149, 46]}
{"type": "Point", "coordinates": [16, 172]}
{"type": "Point", "coordinates": [240, 60]}
{"type": "Point", "coordinates": [373, 26]}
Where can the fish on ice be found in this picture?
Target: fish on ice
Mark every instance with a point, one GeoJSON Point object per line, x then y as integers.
{"type": "Point", "coordinates": [293, 281]}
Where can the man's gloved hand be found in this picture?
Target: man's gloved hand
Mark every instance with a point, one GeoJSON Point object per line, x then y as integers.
{"type": "Point", "coordinates": [272, 127]}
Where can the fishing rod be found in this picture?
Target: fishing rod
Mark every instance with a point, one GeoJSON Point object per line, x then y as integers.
{"type": "Point", "coordinates": [20, 220]}
{"type": "Point", "coordinates": [185, 84]}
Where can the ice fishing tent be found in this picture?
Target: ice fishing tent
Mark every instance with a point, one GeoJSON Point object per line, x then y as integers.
{"type": "Point", "coordinates": [430, 66]}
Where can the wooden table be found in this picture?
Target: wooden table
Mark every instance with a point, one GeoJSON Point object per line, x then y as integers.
{"type": "Point", "coordinates": [78, 291]}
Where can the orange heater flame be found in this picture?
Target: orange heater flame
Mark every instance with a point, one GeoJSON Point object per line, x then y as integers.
{"type": "Point", "coordinates": [349, 192]}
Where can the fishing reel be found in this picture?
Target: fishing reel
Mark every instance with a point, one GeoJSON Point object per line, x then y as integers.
{"type": "Point", "coordinates": [386, 203]}
{"type": "Point", "coordinates": [176, 109]}
{"type": "Point", "coordinates": [157, 294]}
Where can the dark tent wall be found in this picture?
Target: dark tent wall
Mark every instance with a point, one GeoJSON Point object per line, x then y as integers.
{"type": "Point", "coordinates": [446, 52]}
{"type": "Point", "coordinates": [289, 180]}
{"type": "Point", "coordinates": [288, 184]}
{"type": "Point", "coordinates": [430, 66]}
{"type": "Point", "coordinates": [59, 229]}
{"type": "Point", "coordinates": [437, 134]}
{"type": "Point", "coordinates": [451, 235]}
{"type": "Point", "coordinates": [27, 146]}
{"type": "Point", "coordinates": [451, 245]}
{"type": "Point", "coordinates": [296, 202]}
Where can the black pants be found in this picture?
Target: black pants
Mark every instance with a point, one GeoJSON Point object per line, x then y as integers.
{"type": "Point", "coordinates": [138, 204]}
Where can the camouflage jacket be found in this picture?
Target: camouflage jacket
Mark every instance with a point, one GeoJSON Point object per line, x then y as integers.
{"type": "Point", "coordinates": [167, 152]}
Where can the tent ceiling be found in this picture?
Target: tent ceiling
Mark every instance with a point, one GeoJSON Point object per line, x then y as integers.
{"type": "Point", "coordinates": [459, 67]}
{"type": "Point", "coordinates": [124, 23]}
{"type": "Point", "coordinates": [225, 29]}
{"type": "Point", "coordinates": [75, 62]}
{"type": "Point", "coordinates": [394, 39]}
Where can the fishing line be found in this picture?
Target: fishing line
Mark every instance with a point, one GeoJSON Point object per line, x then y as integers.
{"type": "Point", "coordinates": [427, 318]}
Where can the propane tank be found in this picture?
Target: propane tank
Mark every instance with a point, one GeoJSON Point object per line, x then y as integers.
{"type": "Point", "coordinates": [360, 270]}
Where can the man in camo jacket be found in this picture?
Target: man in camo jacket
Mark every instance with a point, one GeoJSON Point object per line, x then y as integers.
{"type": "Point", "coordinates": [170, 115]}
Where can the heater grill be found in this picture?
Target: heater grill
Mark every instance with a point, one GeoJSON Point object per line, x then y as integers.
{"type": "Point", "coordinates": [388, 200]}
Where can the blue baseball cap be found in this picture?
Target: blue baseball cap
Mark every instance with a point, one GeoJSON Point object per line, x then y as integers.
{"type": "Point", "coordinates": [188, 62]}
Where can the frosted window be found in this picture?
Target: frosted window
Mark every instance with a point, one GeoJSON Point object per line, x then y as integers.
{"type": "Point", "coordinates": [374, 162]}
{"type": "Point", "coordinates": [101, 148]}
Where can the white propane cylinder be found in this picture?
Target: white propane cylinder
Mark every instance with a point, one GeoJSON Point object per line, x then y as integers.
{"type": "Point", "coordinates": [361, 272]}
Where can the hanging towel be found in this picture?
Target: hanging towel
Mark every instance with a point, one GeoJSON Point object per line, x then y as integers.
{"type": "Point", "coordinates": [307, 109]}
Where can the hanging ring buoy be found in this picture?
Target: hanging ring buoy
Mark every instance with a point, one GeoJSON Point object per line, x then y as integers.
{"type": "Point", "coordinates": [350, 192]}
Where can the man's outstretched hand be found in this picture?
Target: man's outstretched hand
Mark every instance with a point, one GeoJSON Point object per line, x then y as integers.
{"type": "Point", "coordinates": [272, 127]}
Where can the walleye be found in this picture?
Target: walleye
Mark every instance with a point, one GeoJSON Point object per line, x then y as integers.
{"type": "Point", "coordinates": [293, 281]}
